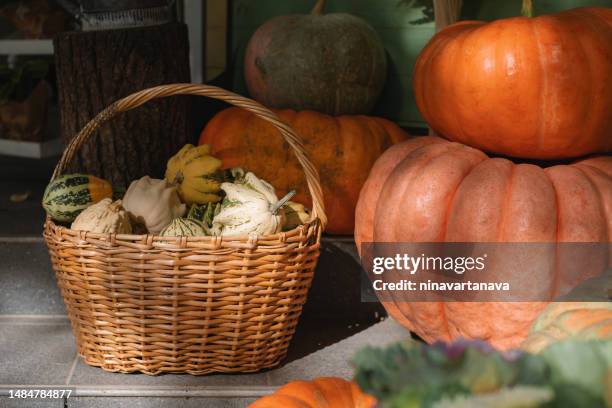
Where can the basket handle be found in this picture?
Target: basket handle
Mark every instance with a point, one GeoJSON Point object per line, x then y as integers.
{"type": "Point", "coordinates": [140, 98]}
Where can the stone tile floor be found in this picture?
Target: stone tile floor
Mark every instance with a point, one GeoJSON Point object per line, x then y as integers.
{"type": "Point", "coordinates": [39, 353]}
{"type": "Point", "coordinates": [37, 348]}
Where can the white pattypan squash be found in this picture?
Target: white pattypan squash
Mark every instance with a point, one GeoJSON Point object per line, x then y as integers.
{"type": "Point", "coordinates": [261, 186]}
{"type": "Point", "coordinates": [250, 206]}
{"type": "Point", "coordinates": [104, 217]}
{"type": "Point", "coordinates": [153, 203]}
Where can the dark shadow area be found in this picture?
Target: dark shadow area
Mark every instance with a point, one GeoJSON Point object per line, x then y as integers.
{"type": "Point", "coordinates": [334, 309]}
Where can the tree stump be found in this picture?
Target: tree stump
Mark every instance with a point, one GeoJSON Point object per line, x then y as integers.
{"type": "Point", "coordinates": [96, 68]}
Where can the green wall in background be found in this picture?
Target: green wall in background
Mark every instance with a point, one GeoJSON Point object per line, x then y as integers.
{"type": "Point", "coordinates": [394, 22]}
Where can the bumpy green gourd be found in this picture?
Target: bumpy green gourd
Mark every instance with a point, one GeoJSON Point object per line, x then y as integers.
{"type": "Point", "coordinates": [68, 195]}
{"type": "Point", "coordinates": [184, 227]}
{"type": "Point", "coordinates": [204, 213]}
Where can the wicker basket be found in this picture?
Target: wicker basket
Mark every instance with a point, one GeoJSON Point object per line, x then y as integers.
{"type": "Point", "coordinates": [192, 305]}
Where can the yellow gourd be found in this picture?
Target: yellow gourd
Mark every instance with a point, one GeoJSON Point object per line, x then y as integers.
{"type": "Point", "coordinates": [196, 174]}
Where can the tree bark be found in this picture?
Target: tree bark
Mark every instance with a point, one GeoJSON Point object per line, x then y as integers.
{"type": "Point", "coordinates": [96, 68]}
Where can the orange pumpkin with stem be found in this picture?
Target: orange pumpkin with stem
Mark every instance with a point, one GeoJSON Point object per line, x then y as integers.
{"type": "Point", "coordinates": [524, 87]}
{"type": "Point", "coordinates": [343, 148]}
{"type": "Point", "coordinates": [431, 190]}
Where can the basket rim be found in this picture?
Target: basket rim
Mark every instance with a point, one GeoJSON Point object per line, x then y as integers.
{"type": "Point", "coordinates": [301, 231]}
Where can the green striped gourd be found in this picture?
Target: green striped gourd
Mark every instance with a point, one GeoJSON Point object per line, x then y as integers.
{"type": "Point", "coordinates": [68, 195]}
{"type": "Point", "coordinates": [183, 227]}
{"type": "Point", "coordinates": [204, 213]}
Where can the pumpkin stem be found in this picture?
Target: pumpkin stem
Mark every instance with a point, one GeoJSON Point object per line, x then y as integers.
{"type": "Point", "coordinates": [317, 10]}
{"type": "Point", "coordinates": [282, 202]}
{"type": "Point", "coordinates": [527, 10]}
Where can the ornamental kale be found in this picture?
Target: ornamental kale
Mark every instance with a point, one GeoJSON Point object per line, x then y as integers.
{"type": "Point", "coordinates": [469, 373]}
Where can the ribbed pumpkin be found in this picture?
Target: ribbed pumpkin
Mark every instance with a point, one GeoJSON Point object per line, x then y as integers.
{"type": "Point", "coordinates": [322, 392]}
{"type": "Point", "coordinates": [343, 149]}
{"type": "Point", "coordinates": [525, 87]}
{"type": "Point", "coordinates": [68, 195]}
{"type": "Point", "coordinates": [431, 190]}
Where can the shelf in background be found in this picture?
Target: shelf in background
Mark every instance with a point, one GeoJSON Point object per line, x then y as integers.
{"type": "Point", "coordinates": [33, 150]}
{"type": "Point", "coordinates": [26, 47]}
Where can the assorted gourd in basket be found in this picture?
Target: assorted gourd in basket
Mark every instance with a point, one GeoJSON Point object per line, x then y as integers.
{"type": "Point", "coordinates": [213, 259]}
{"type": "Point", "coordinates": [197, 197]}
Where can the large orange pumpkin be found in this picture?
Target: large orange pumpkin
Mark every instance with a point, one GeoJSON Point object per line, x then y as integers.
{"type": "Point", "coordinates": [524, 87]}
{"type": "Point", "coordinates": [343, 148]}
{"type": "Point", "coordinates": [431, 190]}
{"type": "Point", "coordinates": [322, 392]}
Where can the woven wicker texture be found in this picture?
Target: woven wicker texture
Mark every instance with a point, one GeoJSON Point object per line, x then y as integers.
{"type": "Point", "coordinates": [185, 304]}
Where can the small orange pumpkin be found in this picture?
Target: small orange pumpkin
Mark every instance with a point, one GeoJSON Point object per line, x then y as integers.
{"type": "Point", "coordinates": [576, 320]}
{"type": "Point", "coordinates": [322, 392]}
{"type": "Point", "coordinates": [343, 148]}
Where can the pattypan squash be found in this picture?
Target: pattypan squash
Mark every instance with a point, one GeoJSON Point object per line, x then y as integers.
{"type": "Point", "coordinates": [250, 206]}
{"type": "Point", "coordinates": [105, 216]}
{"type": "Point", "coordinates": [153, 202]}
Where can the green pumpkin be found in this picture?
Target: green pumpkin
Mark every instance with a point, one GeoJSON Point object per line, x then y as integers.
{"type": "Point", "coordinates": [68, 195]}
{"type": "Point", "coordinates": [184, 227]}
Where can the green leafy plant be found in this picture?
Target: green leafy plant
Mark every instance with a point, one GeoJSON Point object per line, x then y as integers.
{"type": "Point", "coordinates": [566, 374]}
{"type": "Point", "coordinates": [18, 82]}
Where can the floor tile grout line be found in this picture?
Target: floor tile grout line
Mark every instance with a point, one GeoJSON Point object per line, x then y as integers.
{"type": "Point", "coordinates": [152, 391]}
{"type": "Point", "coordinates": [72, 369]}
{"type": "Point", "coordinates": [21, 240]}
{"type": "Point", "coordinates": [34, 320]}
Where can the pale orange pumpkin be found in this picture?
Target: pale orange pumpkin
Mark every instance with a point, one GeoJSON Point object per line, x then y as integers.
{"type": "Point", "coordinates": [431, 190]}
{"type": "Point", "coordinates": [322, 392]}
{"type": "Point", "coordinates": [584, 314]}
{"type": "Point", "coordinates": [536, 88]}
{"type": "Point", "coordinates": [343, 149]}
{"type": "Point", "coordinates": [570, 320]}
